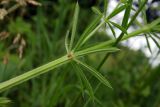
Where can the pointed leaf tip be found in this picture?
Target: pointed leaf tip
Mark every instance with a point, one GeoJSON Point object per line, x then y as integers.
{"type": "Point", "coordinates": [96, 11]}
{"type": "Point", "coordinates": [95, 73]}
{"type": "Point", "coordinates": [74, 26]}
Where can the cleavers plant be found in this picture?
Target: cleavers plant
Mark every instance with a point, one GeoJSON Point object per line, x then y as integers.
{"type": "Point", "coordinates": [77, 49]}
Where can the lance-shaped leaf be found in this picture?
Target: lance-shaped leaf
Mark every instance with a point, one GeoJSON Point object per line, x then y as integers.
{"type": "Point", "coordinates": [113, 32]}
{"type": "Point", "coordinates": [95, 50]}
{"type": "Point", "coordinates": [84, 79]}
{"type": "Point", "coordinates": [156, 29]}
{"type": "Point", "coordinates": [67, 41]}
{"type": "Point", "coordinates": [87, 31]}
{"type": "Point", "coordinates": [74, 26]}
{"type": "Point", "coordinates": [127, 14]}
{"type": "Point", "coordinates": [157, 36]}
{"type": "Point", "coordinates": [148, 44]}
{"type": "Point", "coordinates": [137, 12]}
{"type": "Point", "coordinates": [117, 10]}
{"type": "Point", "coordinates": [119, 27]}
{"type": "Point", "coordinates": [79, 77]}
{"type": "Point", "coordinates": [97, 11]}
{"type": "Point", "coordinates": [106, 2]}
{"type": "Point", "coordinates": [95, 73]}
{"type": "Point", "coordinates": [155, 41]}
{"type": "Point", "coordinates": [91, 33]}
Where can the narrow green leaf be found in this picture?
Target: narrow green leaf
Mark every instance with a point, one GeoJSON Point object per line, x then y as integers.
{"type": "Point", "coordinates": [91, 34]}
{"type": "Point", "coordinates": [119, 27]}
{"type": "Point", "coordinates": [156, 29]}
{"type": "Point", "coordinates": [87, 31]}
{"type": "Point", "coordinates": [97, 11]}
{"type": "Point", "coordinates": [155, 41]}
{"type": "Point", "coordinates": [95, 73]}
{"type": "Point", "coordinates": [133, 9]}
{"type": "Point", "coordinates": [158, 37]}
{"type": "Point", "coordinates": [136, 14]}
{"type": "Point", "coordinates": [95, 50]}
{"type": "Point", "coordinates": [85, 80]}
{"type": "Point", "coordinates": [127, 13]}
{"type": "Point", "coordinates": [148, 44]}
{"type": "Point", "coordinates": [117, 10]}
{"type": "Point", "coordinates": [111, 28]}
{"type": "Point", "coordinates": [105, 7]}
{"type": "Point", "coordinates": [78, 75]}
{"type": "Point", "coordinates": [138, 23]}
{"type": "Point", "coordinates": [144, 16]}
{"type": "Point", "coordinates": [74, 26]}
{"type": "Point", "coordinates": [67, 41]}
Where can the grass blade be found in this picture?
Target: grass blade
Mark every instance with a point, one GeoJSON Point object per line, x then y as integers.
{"type": "Point", "coordinates": [74, 26]}
{"type": "Point", "coordinates": [95, 73]}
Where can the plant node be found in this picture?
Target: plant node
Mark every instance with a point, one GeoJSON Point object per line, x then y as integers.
{"type": "Point", "coordinates": [70, 55]}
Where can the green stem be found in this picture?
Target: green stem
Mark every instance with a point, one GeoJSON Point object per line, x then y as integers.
{"type": "Point", "coordinates": [33, 73]}
{"type": "Point", "coordinates": [64, 59]}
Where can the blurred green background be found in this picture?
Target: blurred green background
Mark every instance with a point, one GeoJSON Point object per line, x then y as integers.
{"type": "Point", "coordinates": [42, 30]}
